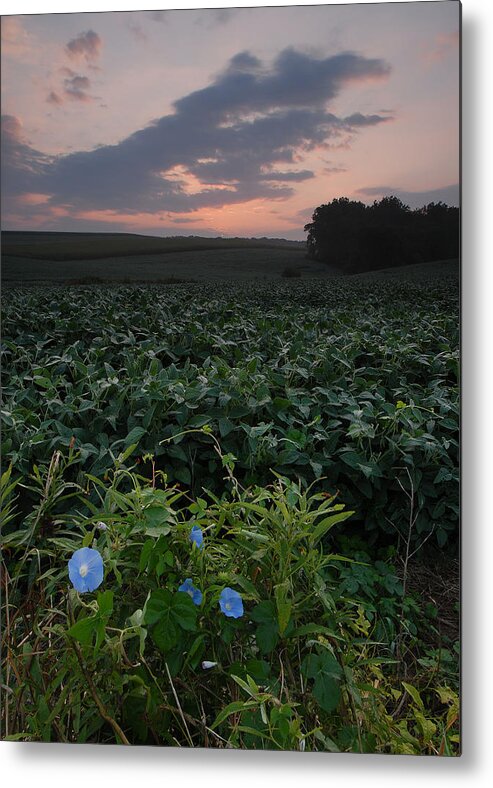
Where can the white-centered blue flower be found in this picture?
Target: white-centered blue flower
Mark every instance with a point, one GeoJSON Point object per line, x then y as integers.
{"type": "Point", "coordinates": [86, 570]}
{"type": "Point", "coordinates": [231, 603]}
{"type": "Point", "coordinates": [189, 588]}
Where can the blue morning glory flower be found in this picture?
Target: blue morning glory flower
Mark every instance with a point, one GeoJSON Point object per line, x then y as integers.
{"type": "Point", "coordinates": [86, 570]}
{"type": "Point", "coordinates": [189, 588]}
{"type": "Point", "coordinates": [196, 536]}
{"type": "Point", "coordinates": [231, 603]}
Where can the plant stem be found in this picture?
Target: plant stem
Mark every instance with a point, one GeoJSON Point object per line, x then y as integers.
{"type": "Point", "coordinates": [97, 700]}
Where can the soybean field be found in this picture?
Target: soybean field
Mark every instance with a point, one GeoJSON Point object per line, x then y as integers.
{"type": "Point", "coordinates": [134, 413]}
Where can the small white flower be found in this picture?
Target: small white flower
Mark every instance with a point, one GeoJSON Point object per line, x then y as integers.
{"type": "Point", "coordinates": [206, 665]}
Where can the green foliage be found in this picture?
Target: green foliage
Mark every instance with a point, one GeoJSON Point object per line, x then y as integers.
{"type": "Point", "coordinates": [326, 672]}
{"type": "Point", "coordinates": [139, 662]}
{"type": "Point", "coordinates": [93, 627]}
{"type": "Point", "coordinates": [354, 380]}
{"type": "Point", "coordinates": [281, 422]}
{"type": "Point", "coordinates": [167, 613]}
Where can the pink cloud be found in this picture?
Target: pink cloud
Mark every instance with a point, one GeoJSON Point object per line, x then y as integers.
{"type": "Point", "coordinates": [33, 199]}
{"type": "Point", "coordinates": [444, 44]}
{"type": "Point", "coordinates": [16, 42]}
{"type": "Point", "coordinates": [12, 128]}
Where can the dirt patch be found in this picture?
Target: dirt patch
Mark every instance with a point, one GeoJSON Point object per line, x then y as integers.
{"type": "Point", "coordinates": [439, 584]}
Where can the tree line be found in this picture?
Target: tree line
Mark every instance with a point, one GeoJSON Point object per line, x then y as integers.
{"type": "Point", "coordinates": [355, 237]}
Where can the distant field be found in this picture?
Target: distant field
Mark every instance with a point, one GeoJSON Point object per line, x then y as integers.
{"type": "Point", "coordinates": [97, 246]}
{"type": "Point", "coordinates": [86, 258]}
{"type": "Point", "coordinates": [96, 258]}
{"type": "Point", "coordinates": [419, 271]}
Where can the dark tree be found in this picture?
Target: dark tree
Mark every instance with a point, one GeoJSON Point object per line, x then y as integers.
{"type": "Point", "coordinates": [354, 237]}
{"type": "Point", "coordinates": [333, 232]}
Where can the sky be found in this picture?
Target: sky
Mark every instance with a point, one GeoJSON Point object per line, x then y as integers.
{"type": "Point", "coordinates": [231, 122]}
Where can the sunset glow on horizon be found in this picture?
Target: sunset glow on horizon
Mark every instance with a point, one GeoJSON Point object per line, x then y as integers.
{"type": "Point", "coordinates": [234, 122]}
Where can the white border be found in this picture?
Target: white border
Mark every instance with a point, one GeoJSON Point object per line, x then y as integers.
{"type": "Point", "coordinates": [86, 766]}
{"type": "Point", "coordinates": [77, 6]}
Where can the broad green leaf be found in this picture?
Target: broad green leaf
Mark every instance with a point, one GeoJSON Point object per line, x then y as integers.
{"type": "Point", "coordinates": [167, 613]}
{"type": "Point", "coordinates": [156, 518]}
{"type": "Point", "coordinates": [233, 708]}
{"type": "Point", "coordinates": [428, 728]}
{"type": "Point", "coordinates": [105, 603]}
{"type": "Point", "coordinates": [165, 633]}
{"type": "Point", "coordinates": [413, 692]}
{"type": "Point", "coordinates": [134, 436]}
{"type": "Point", "coordinates": [183, 475]}
{"type": "Point", "coordinates": [284, 605]}
{"type": "Point", "coordinates": [267, 637]}
{"type": "Point", "coordinates": [184, 611]}
{"type": "Point", "coordinates": [128, 451]}
{"type": "Point", "coordinates": [326, 672]}
{"type": "Point", "coordinates": [327, 692]}
{"type": "Point", "coordinates": [158, 602]}
{"type": "Point", "coordinates": [326, 524]}
{"type": "Point", "coordinates": [85, 629]}
{"type": "Point", "coordinates": [264, 613]}
{"type": "Point", "coordinates": [145, 553]}
{"type": "Point", "coordinates": [225, 427]}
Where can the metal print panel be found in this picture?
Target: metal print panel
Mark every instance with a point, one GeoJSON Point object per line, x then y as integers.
{"type": "Point", "coordinates": [230, 442]}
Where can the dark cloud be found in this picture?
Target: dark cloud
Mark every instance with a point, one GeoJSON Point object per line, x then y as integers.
{"type": "Point", "coordinates": [236, 140]}
{"type": "Point", "coordinates": [331, 168]}
{"type": "Point", "coordinates": [295, 80]}
{"type": "Point", "coordinates": [244, 61]}
{"type": "Point", "coordinates": [76, 86]}
{"type": "Point", "coordinates": [357, 119]}
{"type": "Point", "coordinates": [21, 166]}
{"type": "Point", "coordinates": [213, 17]}
{"type": "Point", "coordinates": [86, 45]}
{"type": "Point", "coordinates": [447, 194]}
{"type": "Point", "coordinates": [137, 31]}
{"type": "Point", "coordinates": [297, 176]}
{"type": "Point", "coordinates": [54, 98]}
{"type": "Point", "coordinates": [77, 83]}
{"type": "Point", "coordinates": [182, 220]}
